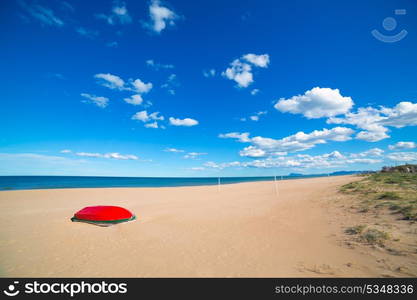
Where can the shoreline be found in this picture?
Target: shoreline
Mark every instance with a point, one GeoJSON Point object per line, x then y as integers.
{"type": "Point", "coordinates": [6, 189]}
{"type": "Point", "coordinates": [248, 229]}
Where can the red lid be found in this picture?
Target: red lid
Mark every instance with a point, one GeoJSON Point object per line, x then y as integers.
{"type": "Point", "coordinates": [103, 213]}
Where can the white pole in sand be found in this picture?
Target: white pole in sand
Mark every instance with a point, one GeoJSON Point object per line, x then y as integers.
{"type": "Point", "coordinates": [275, 183]}
{"type": "Point", "coordinates": [218, 184]}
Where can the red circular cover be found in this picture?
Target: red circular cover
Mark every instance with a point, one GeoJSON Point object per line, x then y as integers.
{"type": "Point", "coordinates": [103, 213]}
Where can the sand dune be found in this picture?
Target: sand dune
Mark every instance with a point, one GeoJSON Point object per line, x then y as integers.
{"type": "Point", "coordinates": [243, 230]}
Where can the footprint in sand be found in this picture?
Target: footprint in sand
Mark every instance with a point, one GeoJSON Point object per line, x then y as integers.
{"type": "Point", "coordinates": [323, 269]}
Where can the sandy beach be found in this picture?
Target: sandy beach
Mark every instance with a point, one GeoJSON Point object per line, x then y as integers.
{"type": "Point", "coordinates": [241, 230]}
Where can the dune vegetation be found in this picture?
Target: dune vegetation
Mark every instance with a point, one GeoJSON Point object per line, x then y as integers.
{"type": "Point", "coordinates": [394, 189]}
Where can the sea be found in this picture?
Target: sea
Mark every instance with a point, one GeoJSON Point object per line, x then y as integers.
{"type": "Point", "coordinates": [66, 182]}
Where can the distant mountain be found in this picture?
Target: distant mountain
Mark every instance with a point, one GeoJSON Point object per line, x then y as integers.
{"type": "Point", "coordinates": [345, 172]}
{"type": "Point", "coordinates": [330, 174]}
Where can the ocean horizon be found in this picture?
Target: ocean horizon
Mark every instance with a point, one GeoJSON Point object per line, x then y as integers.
{"type": "Point", "coordinates": [67, 182]}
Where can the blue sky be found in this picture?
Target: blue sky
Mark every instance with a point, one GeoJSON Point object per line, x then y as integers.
{"type": "Point", "coordinates": [206, 88]}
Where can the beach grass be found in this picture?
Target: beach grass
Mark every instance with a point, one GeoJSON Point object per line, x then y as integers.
{"type": "Point", "coordinates": [355, 229]}
{"type": "Point", "coordinates": [374, 236]}
{"type": "Point", "coordinates": [370, 236]}
{"type": "Point", "coordinates": [395, 191]}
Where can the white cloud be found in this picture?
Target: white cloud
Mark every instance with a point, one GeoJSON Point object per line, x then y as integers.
{"type": "Point", "coordinates": [174, 150]}
{"type": "Point", "coordinates": [141, 87]}
{"type": "Point", "coordinates": [151, 118]}
{"type": "Point", "coordinates": [99, 101]}
{"type": "Point", "coordinates": [87, 32]}
{"type": "Point", "coordinates": [134, 99]}
{"type": "Point", "coordinates": [364, 118]}
{"type": "Point", "coordinates": [300, 161]}
{"type": "Point", "coordinates": [114, 82]}
{"type": "Point", "coordinates": [261, 61]}
{"type": "Point", "coordinates": [334, 154]}
{"type": "Point", "coordinates": [154, 116]}
{"type": "Point", "coordinates": [151, 63]}
{"type": "Point", "coordinates": [194, 155]}
{"type": "Point", "coordinates": [65, 151]}
{"type": "Point", "coordinates": [241, 72]}
{"type": "Point", "coordinates": [256, 116]}
{"type": "Point", "coordinates": [113, 155]}
{"type": "Point", "coordinates": [170, 84]}
{"type": "Point", "coordinates": [371, 152]}
{"type": "Point", "coordinates": [252, 151]}
{"type": "Point", "coordinates": [145, 117]}
{"type": "Point", "coordinates": [111, 81]}
{"type": "Point", "coordinates": [119, 14]}
{"type": "Point", "coordinates": [279, 153]}
{"type": "Point", "coordinates": [211, 164]}
{"type": "Point", "coordinates": [316, 103]}
{"type": "Point", "coordinates": [374, 121]}
{"type": "Point", "coordinates": [367, 119]}
{"type": "Point", "coordinates": [152, 125]}
{"type": "Point", "coordinates": [372, 136]}
{"type": "Point", "coordinates": [182, 122]}
{"type": "Point", "coordinates": [197, 168]}
{"type": "Point", "coordinates": [88, 154]}
{"type": "Point", "coordinates": [43, 14]}
{"type": "Point", "coordinates": [172, 77]}
{"type": "Point", "coordinates": [403, 156]}
{"type": "Point", "coordinates": [364, 161]}
{"type": "Point", "coordinates": [254, 92]}
{"type": "Point", "coordinates": [161, 17]}
{"type": "Point", "coordinates": [297, 142]}
{"type": "Point", "coordinates": [403, 114]}
{"type": "Point", "coordinates": [241, 137]}
{"type": "Point", "coordinates": [209, 73]}
{"type": "Point", "coordinates": [403, 145]}
{"type": "Point", "coordinates": [141, 116]}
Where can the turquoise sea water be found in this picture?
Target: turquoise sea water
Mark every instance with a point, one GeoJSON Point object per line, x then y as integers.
{"type": "Point", "coordinates": [59, 182]}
